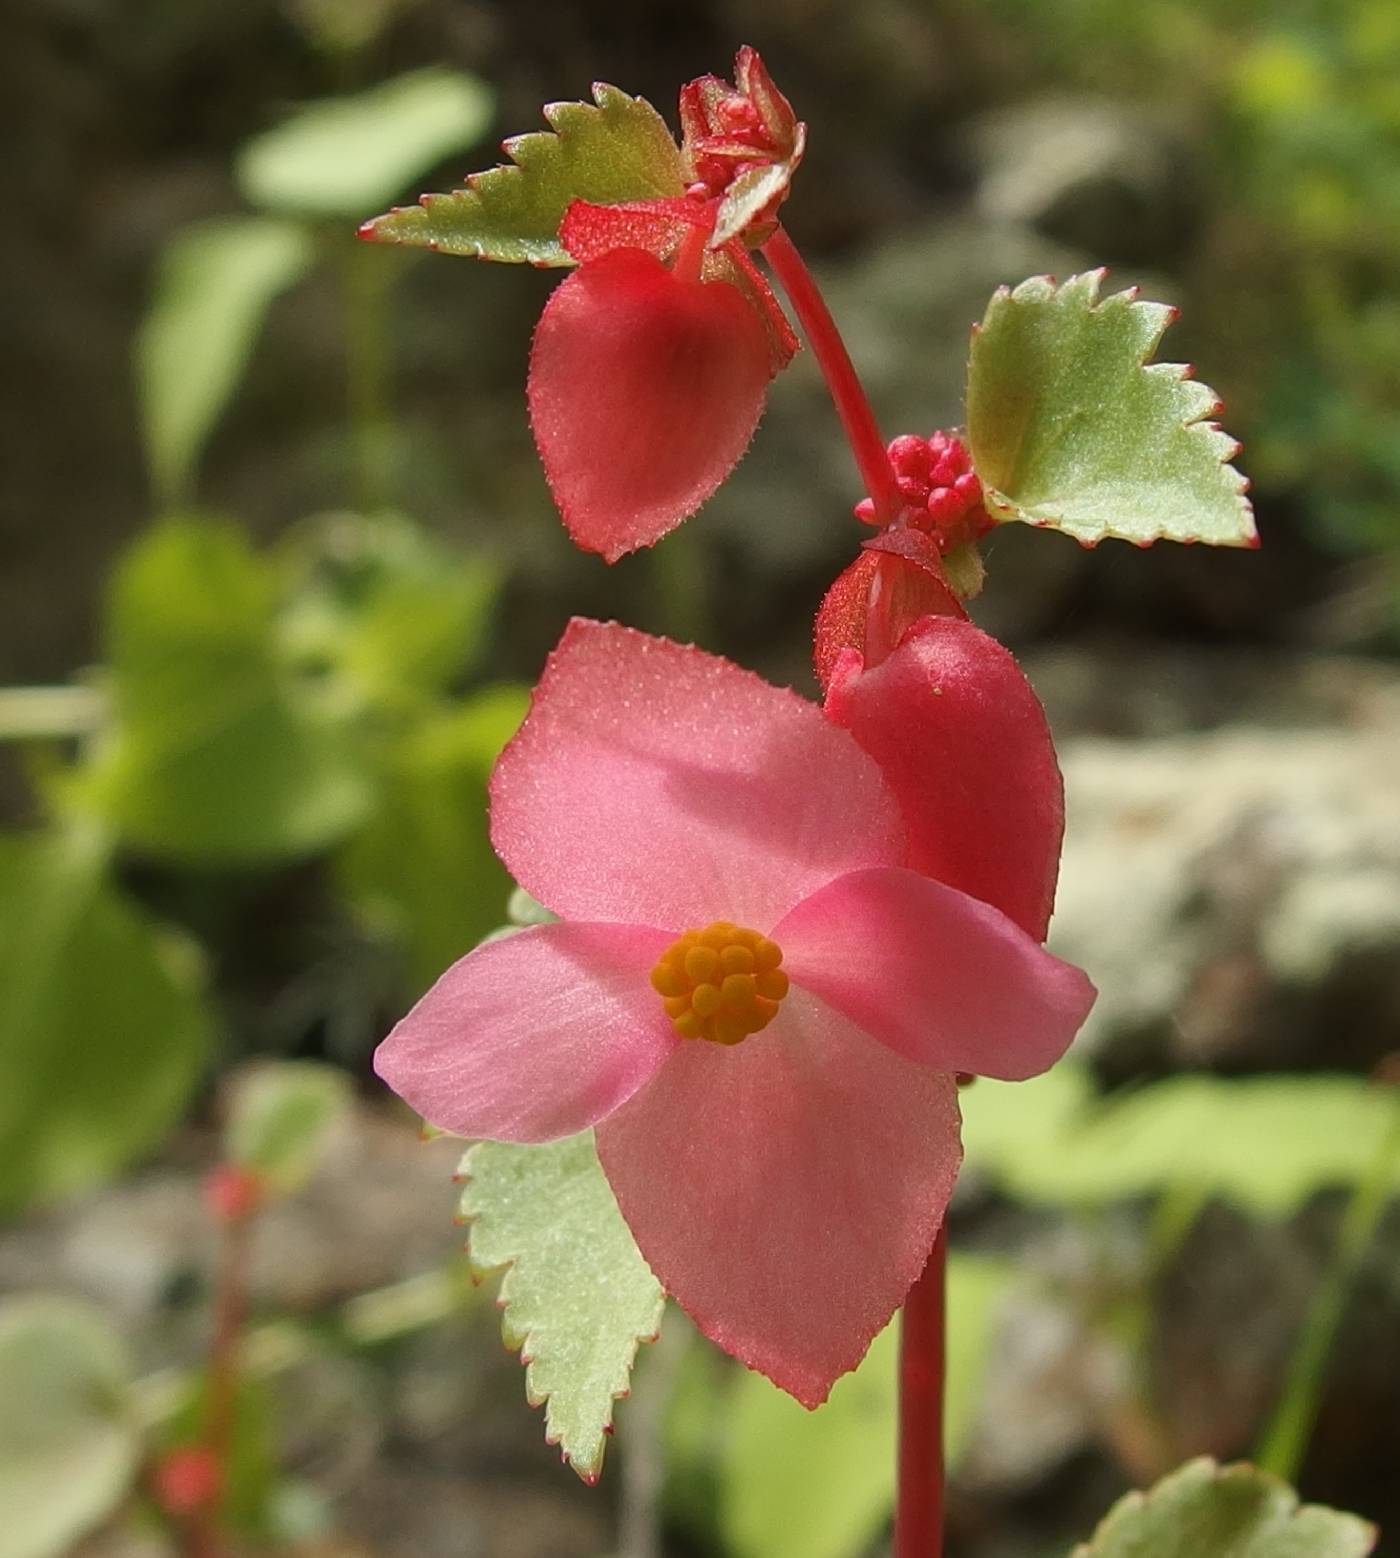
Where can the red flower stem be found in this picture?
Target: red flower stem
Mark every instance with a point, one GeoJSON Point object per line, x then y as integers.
{"type": "Point", "coordinates": [852, 405]}
{"type": "Point", "coordinates": [221, 1377]}
{"type": "Point", "coordinates": [918, 1519]}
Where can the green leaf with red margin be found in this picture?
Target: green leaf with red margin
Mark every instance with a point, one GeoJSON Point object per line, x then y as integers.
{"type": "Point", "coordinates": [1071, 426]}
{"type": "Point", "coordinates": [614, 149]}
{"type": "Point", "coordinates": [1206, 1511]}
{"type": "Point", "coordinates": [577, 1298]}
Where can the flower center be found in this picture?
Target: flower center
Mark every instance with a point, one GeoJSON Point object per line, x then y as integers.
{"type": "Point", "coordinates": [721, 983]}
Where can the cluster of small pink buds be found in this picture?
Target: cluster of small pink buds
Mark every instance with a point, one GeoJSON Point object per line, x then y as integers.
{"type": "Point", "coordinates": [941, 491]}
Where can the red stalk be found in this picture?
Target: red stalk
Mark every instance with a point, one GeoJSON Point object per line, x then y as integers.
{"type": "Point", "coordinates": [852, 405]}
{"type": "Point", "coordinates": [918, 1524]}
{"type": "Point", "coordinates": [918, 1521]}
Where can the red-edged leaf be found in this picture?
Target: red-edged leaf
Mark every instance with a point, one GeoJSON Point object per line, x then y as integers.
{"type": "Point", "coordinates": [644, 391]}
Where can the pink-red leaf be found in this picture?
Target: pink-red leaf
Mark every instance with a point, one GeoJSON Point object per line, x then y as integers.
{"type": "Point", "coordinates": [644, 391]}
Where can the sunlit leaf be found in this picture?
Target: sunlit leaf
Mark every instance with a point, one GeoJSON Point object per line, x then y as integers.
{"type": "Point", "coordinates": [344, 156]}
{"type": "Point", "coordinates": [1206, 1511]}
{"type": "Point", "coordinates": [1263, 1143]}
{"type": "Point", "coordinates": [103, 1030]}
{"type": "Point", "coordinates": [220, 754]}
{"type": "Point", "coordinates": [213, 288]}
{"type": "Point", "coordinates": [618, 150]}
{"type": "Point", "coordinates": [421, 870]}
{"type": "Point", "coordinates": [69, 1444]}
{"type": "Point", "coordinates": [1071, 427]}
{"type": "Point", "coordinates": [280, 1115]}
{"type": "Point", "coordinates": [578, 1297]}
{"type": "Point", "coordinates": [801, 1484]}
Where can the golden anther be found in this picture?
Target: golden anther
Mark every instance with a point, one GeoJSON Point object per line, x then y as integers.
{"type": "Point", "coordinates": [720, 983]}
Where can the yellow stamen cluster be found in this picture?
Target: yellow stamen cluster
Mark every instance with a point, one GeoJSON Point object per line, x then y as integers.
{"type": "Point", "coordinates": [721, 983]}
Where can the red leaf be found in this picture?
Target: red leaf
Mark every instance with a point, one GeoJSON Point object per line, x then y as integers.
{"type": "Point", "coordinates": [644, 391]}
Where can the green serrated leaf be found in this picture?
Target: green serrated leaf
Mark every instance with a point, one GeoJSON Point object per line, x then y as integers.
{"type": "Point", "coordinates": [1265, 1144]}
{"type": "Point", "coordinates": [69, 1443]}
{"type": "Point", "coordinates": [421, 870]}
{"type": "Point", "coordinates": [1071, 427]}
{"type": "Point", "coordinates": [345, 156]}
{"type": "Point", "coordinates": [618, 150]}
{"type": "Point", "coordinates": [220, 755]}
{"type": "Point", "coordinates": [578, 1297]}
{"type": "Point", "coordinates": [280, 1114]}
{"type": "Point", "coordinates": [799, 1484]}
{"type": "Point", "coordinates": [103, 1027]}
{"type": "Point", "coordinates": [1206, 1511]}
{"type": "Point", "coordinates": [214, 285]}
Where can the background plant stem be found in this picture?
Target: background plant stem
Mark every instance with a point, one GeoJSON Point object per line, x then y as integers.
{"type": "Point", "coordinates": [1285, 1440]}
{"type": "Point", "coordinates": [367, 283]}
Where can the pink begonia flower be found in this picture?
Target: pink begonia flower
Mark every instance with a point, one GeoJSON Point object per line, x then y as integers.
{"type": "Point", "coordinates": [782, 1140]}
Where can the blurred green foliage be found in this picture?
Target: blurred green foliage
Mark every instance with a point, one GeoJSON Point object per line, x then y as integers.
{"type": "Point", "coordinates": [69, 1442]}
{"type": "Point", "coordinates": [1293, 111]}
{"type": "Point", "coordinates": [257, 706]}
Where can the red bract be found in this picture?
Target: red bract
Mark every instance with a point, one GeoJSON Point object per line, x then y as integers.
{"type": "Point", "coordinates": [646, 383]}
{"type": "Point", "coordinates": [962, 741]}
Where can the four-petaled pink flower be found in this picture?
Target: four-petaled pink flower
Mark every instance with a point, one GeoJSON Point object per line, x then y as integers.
{"type": "Point", "coordinates": [751, 996]}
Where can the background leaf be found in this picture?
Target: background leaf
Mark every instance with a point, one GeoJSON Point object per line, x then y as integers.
{"type": "Point", "coordinates": [1204, 1511]}
{"type": "Point", "coordinates": [220, 753]}
{"type": "Point", "coordinates": [1263, 1143]}
{"type": "Point", "coordinates": [394, 610]}
{"type": "Point", "coordinates": [801, 1484]}
{"type": "Point", "coordinates": [343, 157]}
{"type": "Point", "coordinates": [280, 1115]}
{"type": "Point", "coordinates": [103, 1030]}
{"type": "Point", "coordinates": [578, 1296]}
{"type": "Point", "coordinates": [1069, 429]}
{"type": "Point", "coordinates": [422, 870]}
{"type": "Point", "coordinates": [618, 150]}
{"type": "Point", "coordinates": [213, 289]}
{"type": "Point", "coordinates": [69, 1445]}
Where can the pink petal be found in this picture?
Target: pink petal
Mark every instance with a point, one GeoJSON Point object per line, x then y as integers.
{"type": "Point", "coordinates": [942, 978]}
{"type": "Point", "coordinates": [644, 391]}
{"type": "Point", "coordinates": [963, 742]}
{"type": "Point", "coordinates": [787, 1191]}
{"type": "Point", "coordinates": [653, 784]}
{"type": "Point", "coordinates": [534, 1036]}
